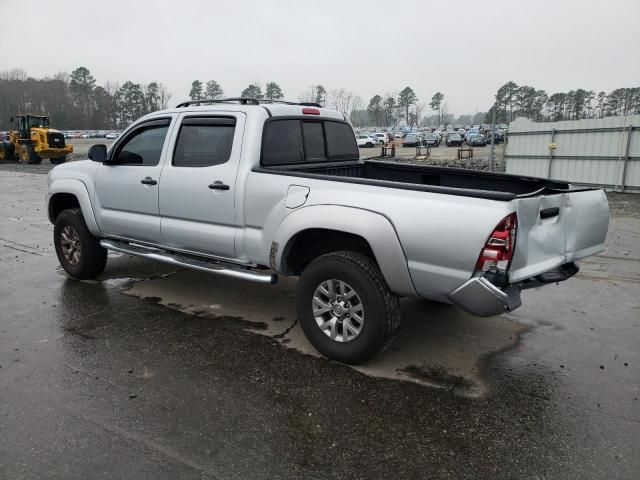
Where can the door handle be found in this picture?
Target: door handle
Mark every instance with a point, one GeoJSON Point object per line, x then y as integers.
{"type": "Point", "coordinates": [549, 212]}
{"type": "Point", "coordinates": [218, 186]}
{"type": "Point", "coordinates": [148, 181]}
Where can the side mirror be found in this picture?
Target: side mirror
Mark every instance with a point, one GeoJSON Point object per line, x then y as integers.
{"type": "Point", "coordinates": [98, 153]}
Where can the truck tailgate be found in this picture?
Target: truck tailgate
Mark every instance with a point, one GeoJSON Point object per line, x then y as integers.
{"type": "Point", "coordinates": [556, 229]}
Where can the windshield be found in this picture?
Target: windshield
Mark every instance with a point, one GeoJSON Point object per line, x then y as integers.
{"type": "Point", "coordinates": [38, 122]}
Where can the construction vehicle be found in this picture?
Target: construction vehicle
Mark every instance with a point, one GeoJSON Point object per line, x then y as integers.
{"type": "Point", "coordinates": [33, 140]}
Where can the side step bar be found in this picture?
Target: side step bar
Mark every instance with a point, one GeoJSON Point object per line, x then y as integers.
{"type": "Point", "coordinates": [179, 260]}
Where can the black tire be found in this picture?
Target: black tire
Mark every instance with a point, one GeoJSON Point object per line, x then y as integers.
{"type": "Point", "coordinates": [381, 307]}
{"type": "Point", "coordinates": [29, 155]}
{"type": "Point", "coordinates": [92, 257]}
{"type": "Point", "coordinates": [369, 145]}
{"type": "Point", "coordinates": [6, 151]}
{"type": "Point", "coordinates": [59, 160]}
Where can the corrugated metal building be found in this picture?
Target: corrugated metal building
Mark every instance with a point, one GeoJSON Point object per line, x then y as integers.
{"type": "Point", "coordinates": [600, 151]}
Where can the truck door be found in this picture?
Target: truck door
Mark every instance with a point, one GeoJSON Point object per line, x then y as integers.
{"type": "Point", "coordinates": [127, 185]}
{"type": "Point", "coordinates": [198, 185]}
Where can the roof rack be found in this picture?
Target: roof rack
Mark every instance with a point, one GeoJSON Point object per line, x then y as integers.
{"type": "Point", "coordinates": [240, 100]}
{"type": "Point", "coordinates": [245, 101]}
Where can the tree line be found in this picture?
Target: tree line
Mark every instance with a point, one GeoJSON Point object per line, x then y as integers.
{"type": "Point", "coordinates": [76, 101]}
{"type": "Point", "coordinates": [512, 101]}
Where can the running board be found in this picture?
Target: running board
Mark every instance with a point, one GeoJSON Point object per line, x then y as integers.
{"type": "Point", "coordinates": [179, 260]}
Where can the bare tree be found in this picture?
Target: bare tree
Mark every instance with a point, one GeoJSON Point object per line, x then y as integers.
{"type": "Point", "coordinates": [312, 94]}
{"type": "Point", "coordinates": [340, 99]}
{"type": "Point", "coordinates": [14, 74]}
{"type": "Point", "coordinates": [419, 108]}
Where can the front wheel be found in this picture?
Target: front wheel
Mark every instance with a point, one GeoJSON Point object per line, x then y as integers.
{"type": "Point", "coordinates": [345, 307]}
{"type": "Point", "coordinates": [79, 252]}
{"type": "Point", "coordinates": [29, 155]}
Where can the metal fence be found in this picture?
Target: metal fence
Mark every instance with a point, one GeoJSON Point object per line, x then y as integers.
{"type": "Point", "coordinates": [601, 151]}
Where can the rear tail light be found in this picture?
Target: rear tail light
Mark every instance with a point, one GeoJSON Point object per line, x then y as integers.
{"type": "Point", "coordinates": [310, 111]}
{"type": "Point", "coordinates": [497, 252]}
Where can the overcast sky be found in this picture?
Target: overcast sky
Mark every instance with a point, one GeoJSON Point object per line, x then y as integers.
{"type": "Point", "coordinates": [465, 49]}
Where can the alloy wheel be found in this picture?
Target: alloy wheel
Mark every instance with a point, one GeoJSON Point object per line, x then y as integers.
{"type": "Point", "coordinates": [338, 310]}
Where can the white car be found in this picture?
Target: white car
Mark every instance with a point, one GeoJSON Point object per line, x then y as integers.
{"type": "Point", "coordinates": [366, 141]}
{"type": "Point", "coordinates": [112, 136]}
{"type": "Point", "coordinates": [382, 137]}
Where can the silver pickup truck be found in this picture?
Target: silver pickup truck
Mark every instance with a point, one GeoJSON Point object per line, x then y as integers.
{"type": "Point", "coordinates": [254, 190]}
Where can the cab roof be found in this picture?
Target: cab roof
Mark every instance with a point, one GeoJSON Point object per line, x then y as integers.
{"type": "Point", "coordinates": [273, 108]}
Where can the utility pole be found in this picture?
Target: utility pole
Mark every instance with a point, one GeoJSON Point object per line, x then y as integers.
{"type": "Point", "coordinates": [493, 138]}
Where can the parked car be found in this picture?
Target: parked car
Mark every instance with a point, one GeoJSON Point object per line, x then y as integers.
{"type": "Point", "coordinates": [382, 137]}
{"type": "Point", "coordinates": [431, 140]}
{"type": "Point", "coordinates": [366, 141]}
{"type": "Point", "coordinates": [411, 140]}
{"type": "Point", "coordinates": [454, 140]}
{"type": "Point", "coordinates": [216, 189]}
{"type": "Point", "coordinates": [111, 136]}
{"type": "Point", "coordinates": [499, 137]}
{"type": "Point", "coordinates": [476, 140]}
{"type": "Point", "coordinates": [397, 135]}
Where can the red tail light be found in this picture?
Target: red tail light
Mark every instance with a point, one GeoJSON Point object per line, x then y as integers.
{"type": "Point", "coordinates": [497, 252]}
{"type": "Point", "coordinates": [310, 111]}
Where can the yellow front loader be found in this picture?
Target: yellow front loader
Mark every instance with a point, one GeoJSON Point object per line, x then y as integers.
{"type": "Point", "coordinates": [33, 140]}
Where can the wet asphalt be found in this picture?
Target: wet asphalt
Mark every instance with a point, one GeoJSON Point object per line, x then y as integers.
{"type": "Point", "coordinates": [130, 377]}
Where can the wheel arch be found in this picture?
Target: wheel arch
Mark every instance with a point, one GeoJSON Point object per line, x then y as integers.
{"type": "Point", "coordinates": [320, 229]}
{"type": "Point", "coordinates": [70, 193]}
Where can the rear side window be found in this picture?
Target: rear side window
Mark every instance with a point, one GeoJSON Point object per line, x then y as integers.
{"type": "Point", "coordinates": [282, 143]}
{"type": "Point", "coordinates": [296, 141]}
{"type": "Point", "coordinates": [204, 142]}
{"type": "Point", "coordinates": [341, 144]}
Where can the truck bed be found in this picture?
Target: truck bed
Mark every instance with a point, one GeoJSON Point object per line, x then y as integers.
{"type": "Point", "coordinates": [452, 181]}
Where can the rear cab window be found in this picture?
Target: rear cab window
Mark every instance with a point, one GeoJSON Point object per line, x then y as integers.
{"type": "Point", "coordinates": [296, 141]}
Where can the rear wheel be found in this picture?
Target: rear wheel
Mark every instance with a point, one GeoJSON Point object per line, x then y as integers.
{"type": "Point", "coordinates": [6, 151]}
{"type": "Point", "coordinates": [59, 160]}
{"type": "Point", "coordinates": [29, 155]}
{"type": "Point", "coordinates": [78, 251]}
{"type": "Point", "coordinates": [345, 306]}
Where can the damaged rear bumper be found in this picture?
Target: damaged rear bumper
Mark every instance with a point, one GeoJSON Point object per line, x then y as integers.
{"type": "Point", "coordinates": [482, 298]}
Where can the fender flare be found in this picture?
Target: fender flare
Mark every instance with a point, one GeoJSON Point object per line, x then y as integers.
{"type": "Point", "coordinates": [375, 228]}
{"type": "Point", "coordinates": [79, 190]}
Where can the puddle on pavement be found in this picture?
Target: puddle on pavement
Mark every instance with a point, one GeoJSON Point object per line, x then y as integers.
{"type": "Point", "coordinates": [437, 345]}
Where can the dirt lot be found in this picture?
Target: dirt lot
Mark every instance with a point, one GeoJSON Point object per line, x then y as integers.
{"type": "Point", "coordinates": [441, 153]}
